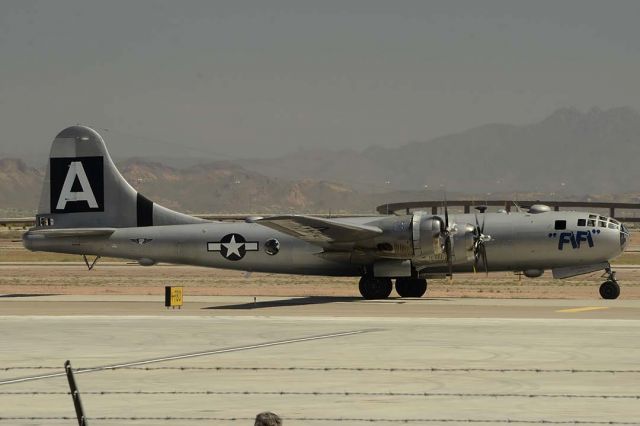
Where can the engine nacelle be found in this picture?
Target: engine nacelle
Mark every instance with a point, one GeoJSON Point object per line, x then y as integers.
{"type": "Point", "coordinates": [427, 241]}
{"type": "Point", "coordinates": [463, 243]}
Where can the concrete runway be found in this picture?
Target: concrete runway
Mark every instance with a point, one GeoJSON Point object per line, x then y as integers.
{"type": "Point", "coordinates": [420, 361]}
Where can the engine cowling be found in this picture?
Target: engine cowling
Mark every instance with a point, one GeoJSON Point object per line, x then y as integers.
{"type": "Point", "coordinates": [463, 244]}
{"type": "Point", "coordinates": [427, 240]}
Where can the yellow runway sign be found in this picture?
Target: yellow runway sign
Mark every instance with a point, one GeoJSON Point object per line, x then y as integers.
{"type": "Point", "coordinates": [173, 297]}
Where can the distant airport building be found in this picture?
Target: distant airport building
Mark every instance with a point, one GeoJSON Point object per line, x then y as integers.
{"type": "Point", "coordinates": [624, 212]}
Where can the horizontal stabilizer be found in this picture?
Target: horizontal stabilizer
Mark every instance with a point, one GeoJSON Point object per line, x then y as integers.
{"type": "Point", "coordinates": [73, 232]}
{"type": "Point", "coordinates": [319, 230]}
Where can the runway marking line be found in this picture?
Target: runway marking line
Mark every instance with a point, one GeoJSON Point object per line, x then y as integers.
{"type": "Point", "coordinates": [583, 309]}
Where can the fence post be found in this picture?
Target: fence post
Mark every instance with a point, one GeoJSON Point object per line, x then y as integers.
{"type": "Point", "coordinates": [75, 395]}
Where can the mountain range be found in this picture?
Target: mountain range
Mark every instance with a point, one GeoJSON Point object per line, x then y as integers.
{"type": "Point", "coordinates": [594, 152]}
{"type": "Point", "coordinates": [569, 154]}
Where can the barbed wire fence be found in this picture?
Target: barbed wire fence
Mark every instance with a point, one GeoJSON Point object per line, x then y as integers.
{"type": "Point", "coordinates": [48, 372]}
{"type": "Point", "coordinates": [334, 420]}
{"type": "Point", "coordinates": [345, 393]}
{"type": "Point", "coordinates": [358, 369]}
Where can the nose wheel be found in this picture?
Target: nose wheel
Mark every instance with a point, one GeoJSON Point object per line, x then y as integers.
{"type": "Point", "coordinates": [610, 289]}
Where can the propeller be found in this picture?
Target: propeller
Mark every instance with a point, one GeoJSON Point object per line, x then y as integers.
{"type": "Point", "coordinates": [447, 233]}
{"type": "Point", "coordinates": [479, 248]}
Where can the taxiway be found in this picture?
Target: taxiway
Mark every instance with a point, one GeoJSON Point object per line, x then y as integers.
{"type": "Point", "coordinates": [419, 360]}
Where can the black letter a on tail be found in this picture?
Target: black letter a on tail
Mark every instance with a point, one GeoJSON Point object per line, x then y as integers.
{"type": "Point", "coordinates": [77, 184]}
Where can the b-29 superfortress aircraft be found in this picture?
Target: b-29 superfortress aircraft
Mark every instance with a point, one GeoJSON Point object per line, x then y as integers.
{"type": "Point", "coordinates": [88, 208]}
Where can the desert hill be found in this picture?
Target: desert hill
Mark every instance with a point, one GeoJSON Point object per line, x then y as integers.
{"type": "Point", "coordinates": [592, 152]}
{"type": "Point", "coordinates": [569, 154]}
{"type": "Point", "coordinates": [215, 187]}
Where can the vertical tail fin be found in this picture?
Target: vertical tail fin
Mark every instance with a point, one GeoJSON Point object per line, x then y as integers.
{"type": "Point", "coordinates": [84, 189]}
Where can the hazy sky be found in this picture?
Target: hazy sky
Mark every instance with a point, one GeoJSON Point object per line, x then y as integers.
{"type": "Point", "coordinates": [260, 78]}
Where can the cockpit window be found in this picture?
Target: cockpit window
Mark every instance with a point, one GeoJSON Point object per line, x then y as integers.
{"type": "Point", "coordinates": [602, 224]}
{"type": "Point", "coordinates": [603, 218]}
{"type": "Point", "coordinates": [613, 226]}
{"type": "Point", "coordinates": [582, 222]}
{"type": "Point", "coordinates": [614, 221]}
{"type": "Point", "coordinates": [561, 224]}
{"type": "Point", "coordinates": [593, 216]}
{"type": "Point", "coordinates": [591, 223]}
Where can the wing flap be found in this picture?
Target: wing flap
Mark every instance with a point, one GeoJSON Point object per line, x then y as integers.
{"type": "Point", "coordinates": [319, 230]}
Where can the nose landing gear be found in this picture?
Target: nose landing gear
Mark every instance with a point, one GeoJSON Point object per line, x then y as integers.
{"type": "Point", "coordinates": [610, 289]}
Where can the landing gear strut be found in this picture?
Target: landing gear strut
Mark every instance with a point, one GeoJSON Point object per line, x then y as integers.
{"type": "Point", "coordinates": [375, 287]}
{"type": "Point", "coordinates": [411, 287]}
{"type": "Point", "coordinates": [610, 289]}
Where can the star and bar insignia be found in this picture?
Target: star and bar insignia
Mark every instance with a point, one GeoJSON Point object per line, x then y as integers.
{"type": "Point", "coordinates": [233, 246]}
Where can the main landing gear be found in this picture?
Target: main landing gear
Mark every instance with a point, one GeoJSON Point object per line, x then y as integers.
{"type": "Point", "coordinates": [411, 287]}
{"type": "Point", "coordinates": [610, 289]}
{"type": "Point", "coordinates": [375, 287]}
{"type": "Point", "coordinates": [380, 288]}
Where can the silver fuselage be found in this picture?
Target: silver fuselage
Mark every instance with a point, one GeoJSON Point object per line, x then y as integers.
{"type": "Point", "coordinates": [519, 241]}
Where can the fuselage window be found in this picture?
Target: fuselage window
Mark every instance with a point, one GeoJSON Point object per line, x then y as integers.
{"type": "Point", "coordinates": [561, 224]}
{"type": "Point", "coordinates": [582, 222]}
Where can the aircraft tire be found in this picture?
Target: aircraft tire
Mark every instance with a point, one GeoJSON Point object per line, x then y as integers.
{"type": "Point", "coordinates": [411, 287]}
{"type": "Point", "coordinates": [610, 290]}
{"type": "Point", "coordinates": [372, 288]}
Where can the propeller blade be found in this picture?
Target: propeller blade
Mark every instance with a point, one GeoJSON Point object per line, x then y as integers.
{"type": "Point", "coordinates": [446, 212]}
{"type": "Point", "coordinates": [477, 231]}
{"type": "Point", "coordinates": [484, 259]}
{"type": "Point", "coordinates": [476, 256]}
{"type": "Point", "coordinates": [449, 256]}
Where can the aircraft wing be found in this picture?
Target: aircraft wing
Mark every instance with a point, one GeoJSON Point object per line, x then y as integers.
{"type": "Point", "coordinates": [319, 230]}
{"type": "Point", "coordinates": [73, 232]}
